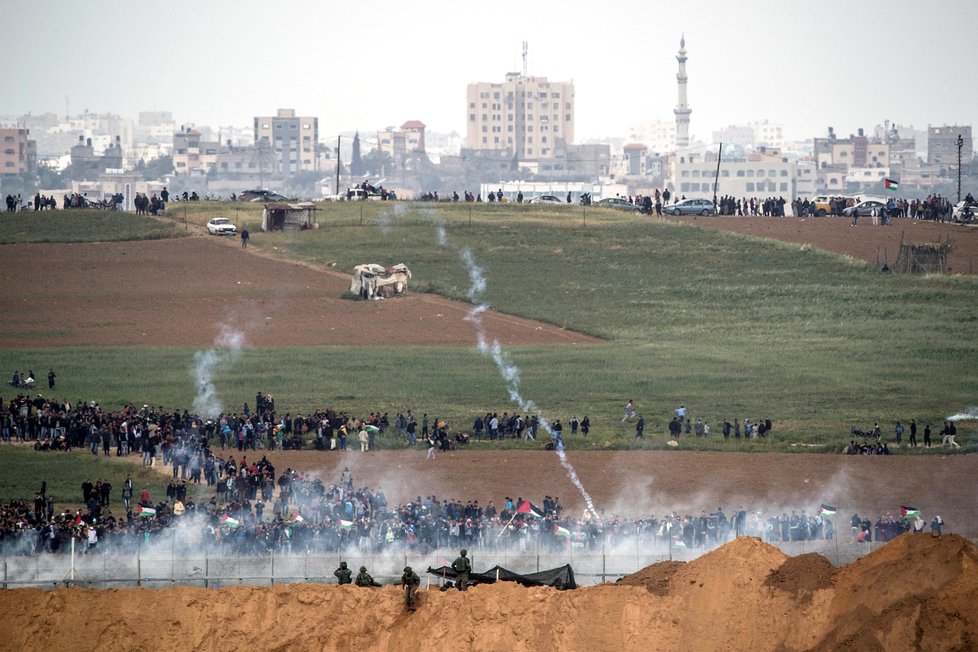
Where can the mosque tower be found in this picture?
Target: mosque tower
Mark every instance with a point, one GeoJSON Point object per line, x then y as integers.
{"type": "Point", "coordinates": [682, 109]}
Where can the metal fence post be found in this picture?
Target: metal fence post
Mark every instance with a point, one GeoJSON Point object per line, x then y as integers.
{"type": "Point", "coordinates": [207, 567]}
{"type": "Point", "coordinates": [273, 568]}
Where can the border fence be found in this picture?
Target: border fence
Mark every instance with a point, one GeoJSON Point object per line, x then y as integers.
{"type": "Point", "coordinates": [112, 568]}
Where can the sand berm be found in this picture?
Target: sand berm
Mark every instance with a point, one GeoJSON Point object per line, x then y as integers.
{"type": "Point", "coordinates": [919, 592]}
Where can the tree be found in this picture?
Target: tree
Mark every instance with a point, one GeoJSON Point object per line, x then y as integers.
{"type": "Point", "coordinates": [356, 161]}
{"type": "Point", "coordinates": [377, 162]}
{"type": "Point", "coordinates": [156, 169]}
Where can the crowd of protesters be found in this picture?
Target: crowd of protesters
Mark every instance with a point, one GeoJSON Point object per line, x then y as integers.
{"type": "Point", "coordinates": [255, 510]}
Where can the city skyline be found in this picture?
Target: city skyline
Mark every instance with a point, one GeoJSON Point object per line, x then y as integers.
{"type": "Point", "coordinates": [220, 63]}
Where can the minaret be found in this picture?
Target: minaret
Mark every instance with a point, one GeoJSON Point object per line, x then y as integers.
{"type": "Point", "coordinates": [682, 110]}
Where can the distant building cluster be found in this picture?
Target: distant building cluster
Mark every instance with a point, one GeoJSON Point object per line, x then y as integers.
{"type": "Point", "coordinates": [519, 130]}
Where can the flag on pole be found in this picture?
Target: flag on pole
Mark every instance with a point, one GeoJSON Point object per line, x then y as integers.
{"type": "Point", "coordinates": [909, 512]}
{"type": "Point", "coordinates": [145, 512]}
{"type": "Point", "coordinates": [345, 525]}
{"type": "Point", "coordinates": [297, 518]}
{"type": "Point", "coordinates": [827, 511]}
{"type": "Point", "coordinates": [890, 184]}
{"type": "Point", "coordinates": [528, 508]}
{"type": "Point", "coordinates": [561, 531]}
{"type": "Point", "coordinates": [229, 521]}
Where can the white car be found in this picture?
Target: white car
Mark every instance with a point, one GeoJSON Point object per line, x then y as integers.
{"type": "Point", "coordinates": [221, 226]}
{"type": "Point", "coordinates": [545, 199]}
{"type": "Point", "coordinates": [965, 211]}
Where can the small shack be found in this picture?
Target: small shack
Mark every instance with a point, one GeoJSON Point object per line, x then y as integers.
{"type": "Point", "coordinates": [922, 258]}
{"type": "Point", "coordinates": [281, 217]}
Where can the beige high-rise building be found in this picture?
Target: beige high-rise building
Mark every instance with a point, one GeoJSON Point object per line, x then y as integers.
{"type": "Point", "coordinates": [18, 154]}
{"type": "Point", "coordinates": [530, 118]}
{"type": "Point", "coordinates": [292, 139]}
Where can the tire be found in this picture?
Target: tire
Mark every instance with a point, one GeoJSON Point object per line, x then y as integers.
{"type": "Point", "coordinates": [821, 212]}
{"type": "Point", "coordinates": [704, 212]}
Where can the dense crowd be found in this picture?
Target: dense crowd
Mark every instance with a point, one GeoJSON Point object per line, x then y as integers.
{"type": "Point", "coordinates": [254, 509]}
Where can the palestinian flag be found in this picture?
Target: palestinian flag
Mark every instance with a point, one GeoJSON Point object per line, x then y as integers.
{"type": "Point", "coordinates": [145, 512]}
{"type": "Point", "coordinates": [561, 531]}
{"type": "Point", "coordinates": [827, 511]}
{"type": "Point", "coordinates": [229, 521]}
{"type": "Point", "coordinates": [297, 518]}
{"type": "Point", "coordinates": [528, 508]}
{"type": "Point", "coordinates": [345, 525]}
{"type": "Point", "coordinates": [890, 184]}
{"type": "Point", "coordinates": [909, 512]}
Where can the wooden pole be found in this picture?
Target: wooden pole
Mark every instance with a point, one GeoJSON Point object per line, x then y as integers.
{"type": "Point", "coordinates": [506, 526]}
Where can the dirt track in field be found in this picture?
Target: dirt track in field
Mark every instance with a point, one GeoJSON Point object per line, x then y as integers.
{"type": "Point", "coordinates": [179, 293]}
{"type": "Point", "coordinates": [863, 241]}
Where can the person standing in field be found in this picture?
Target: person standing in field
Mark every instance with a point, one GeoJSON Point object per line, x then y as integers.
{"type": "Point", "coordinates": [245, 236]}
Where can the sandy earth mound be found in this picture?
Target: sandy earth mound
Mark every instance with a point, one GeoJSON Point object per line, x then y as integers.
{"type": "Point", "coordinates": [917, 593]}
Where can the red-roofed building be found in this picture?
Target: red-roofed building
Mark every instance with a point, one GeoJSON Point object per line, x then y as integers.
{"type": "Point", "coordinates": [399, 142]}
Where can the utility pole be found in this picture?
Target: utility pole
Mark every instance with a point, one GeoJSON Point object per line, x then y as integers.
{"type": "Point", "coordinates": [716, 179]}
{"type": "Point", "coordinates": [337, 165]}
{"type": "Point", "coordinates": [960, 145]}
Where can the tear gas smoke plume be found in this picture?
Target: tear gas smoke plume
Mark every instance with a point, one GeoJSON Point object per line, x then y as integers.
{"type": "Point", "coordinates": [507, 369]}
{"type": "Point", "coordinates": [226, 349]}
{"type": "Point", "coordinates": [970, 415]}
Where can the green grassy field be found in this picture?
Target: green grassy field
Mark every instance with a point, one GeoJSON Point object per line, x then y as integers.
{"type": "Point", "coordinates": [24, 469]}
{"type": "Point", "coordinates": [83, 225]}
{"type": "Point", "coordinates": [728, 325]}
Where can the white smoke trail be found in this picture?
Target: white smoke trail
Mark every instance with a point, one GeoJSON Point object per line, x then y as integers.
{"type": "Point", "coordinates": [386, 217]}
{"type": "Point", "coordinates": [507, 369]}
{"type": "Point", "coordinates": [970, 415]}
{"type": "Point", "coordinates": [227, 347]}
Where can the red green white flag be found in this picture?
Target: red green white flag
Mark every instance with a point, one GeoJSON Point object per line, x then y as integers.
{"type": "Point", "coordinates": [145, 512]}
{"type": "Point", "coordinates": [229, 521]}
{"type": "Point", "coordinates": [890, 184]}
{"type": "Point", "coordinates": [909, 512]}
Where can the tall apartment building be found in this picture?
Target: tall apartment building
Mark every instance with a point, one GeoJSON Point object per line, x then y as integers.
{"type": "Point", "coordinates": [294, 140]}
{"type": "Point", "coordinates": [529, 118]}
{"type": "Point", "coordinates": [18, 154]}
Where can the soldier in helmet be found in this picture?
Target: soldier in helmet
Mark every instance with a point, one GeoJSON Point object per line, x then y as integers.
{"type": "Point", "coordinates": [411, 581]}
{"type": "Point", "coordinates": [364, 578]}
{"type": "Point", "coordinates": [343, 574]}
{"type": "Point", "coordinates": [462, 567]}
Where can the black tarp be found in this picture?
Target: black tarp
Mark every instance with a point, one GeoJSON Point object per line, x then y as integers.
{"type": "Point", "coordinates": [560, 578]}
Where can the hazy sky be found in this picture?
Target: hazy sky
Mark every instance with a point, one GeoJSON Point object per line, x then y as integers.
{"type": "Point", "coordinates": [805, 65]}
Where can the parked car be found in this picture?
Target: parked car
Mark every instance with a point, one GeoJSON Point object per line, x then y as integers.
{"type": "Point", "coordinates": [546, 199]}
{"type": "Point", "coordinates": [617, 202]}
{"type": "Point", "coordinates": [221, 226]}
{"type": "Point", "coordinates": [261, 195]}
{"type": "Point", "coordinates": [865, 208]}
{"type": "Point", "coordinates": [691, 207]}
